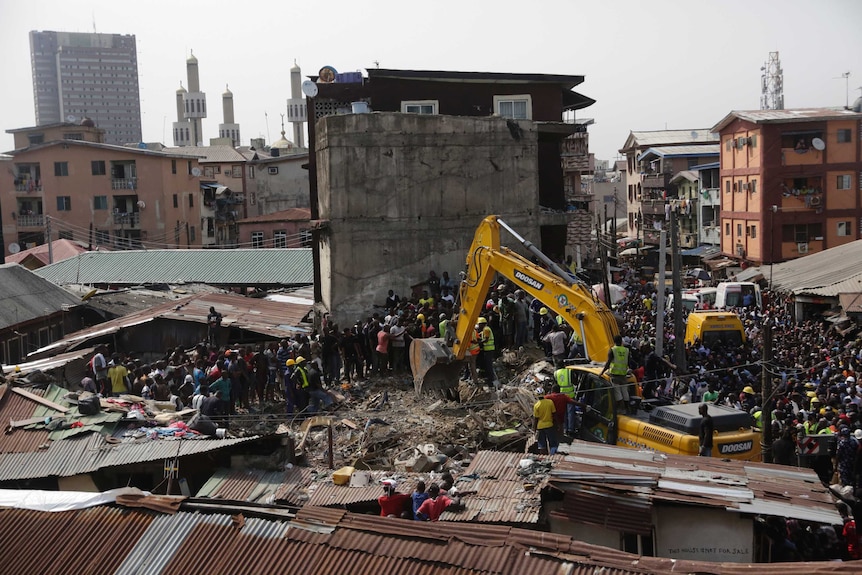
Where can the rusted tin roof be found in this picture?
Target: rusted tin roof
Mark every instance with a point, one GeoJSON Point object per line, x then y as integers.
{"type": "Point", "coordinates": [321, 541]}
{"type": "Point", "coordinates": [14, 407]}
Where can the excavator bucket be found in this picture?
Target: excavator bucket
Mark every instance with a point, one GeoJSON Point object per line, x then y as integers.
{"type": "Point", "coordinates": [434, 366]}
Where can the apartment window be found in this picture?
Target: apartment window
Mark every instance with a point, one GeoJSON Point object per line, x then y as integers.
{"type": "Point", "coordinates": [35, 139]}
{"type": "Point", "coordinates": [727, 186]}
{"type": "Point", "coordinates": [844, 135]}
{"type": "Point", "coordinates": [517, 107]}
{"type": "Point", "coordinates": [727, 229]}
{"type": "Point", "coordinates": [208, 171]}
{"type": "Point", "coordinates": [844, 228]}
{"type": "Point", "coordinates": [280, 239]}
{"type": "Point", "coordinates": [66, 235]}
{"type": "Point", "coordinates": [843, 182]}
{"type": "Point", "coordinates": [189, 167]}
{"type": "Point", "coordinates": [97, 167]}
{"type": "Point", "coordinates": [192, 234]}
{"type": "Point", "coordinates": [173, 166]}
{"type": "Point", "coordinates": [801, 233]}
{"type": "Point", "coordinates": [257, 239]}
{"type": "Point", "coordinates": [251, 172]}
{"type": "Point", "coordinates": [61, 168]}
{"type": "Point", "coordinates": [100, 203]}
{"type": "Point", "coordinates": [739, 230]}
{"type": "Point", "coordinates": [752, 186]}
{"type": "Point", "coordinates": [751, 231]}
{"type": "Point", "coordinates": [176, 201]}
{"type": "Point", "coordinates": [236, 172]}
{"type": "Point", "coordinates": [305, 238]}
{"type": "Point", "coordinates": [191, 200]}
{"type": "Point", "coordinates": [64, 203]}
{"type": "Point", "coordinates": [420, 107]}
{"type": "Point", "coordinates": [73, 136]}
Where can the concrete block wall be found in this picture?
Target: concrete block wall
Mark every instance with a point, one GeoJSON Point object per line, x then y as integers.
{"type": "Point", "coordinates": [403, 194]}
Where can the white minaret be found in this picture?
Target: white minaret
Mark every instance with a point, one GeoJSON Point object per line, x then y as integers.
{"type": "Point", "coordinates": [182, 134]}
{"type": "Point", "coordinates": [229, 129]}
{"type": "Point", "coordinates": [297, 113]}
{"type": "Point", "coordinates": [195, 102]}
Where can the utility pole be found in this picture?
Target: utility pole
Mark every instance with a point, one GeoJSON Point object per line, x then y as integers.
{"type": "Point", "coordinates": [603, 258]}
{"type": "Point", "coordinates": [766, 393]}
{"type": "Point", "coordinates": [48, 238]}
{"type": "Point", "coordinates": [678, 325]}
{"type": "Point", "coordinates": [659, 300]}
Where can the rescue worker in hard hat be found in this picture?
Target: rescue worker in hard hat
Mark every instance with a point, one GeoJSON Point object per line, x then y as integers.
{"type": "Point", "coordinates": [618, 364]}
{"type": "Point", "coordinates": [300, 382]}
{"type": "Point", "coordinates": [289, 387]}
{"type": "Point", "coordinates": [487, 348]}
{"type": "Point", "coordinates": [547, 324]}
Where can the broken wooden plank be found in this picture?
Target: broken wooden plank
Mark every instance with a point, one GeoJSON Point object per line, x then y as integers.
{"type": "Point", "coordinates": [30, 421]}
{"type": "Point", "coordinates": [349, 424]}
{"type": "Point", "coordinates": [41, 400]}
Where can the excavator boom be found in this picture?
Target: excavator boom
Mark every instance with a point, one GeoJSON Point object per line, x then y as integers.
{"type": "Point", "coordinates": [435, 366]}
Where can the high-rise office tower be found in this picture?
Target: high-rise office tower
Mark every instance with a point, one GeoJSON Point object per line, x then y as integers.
{"type": "Point", "coordinates": [77, 75]}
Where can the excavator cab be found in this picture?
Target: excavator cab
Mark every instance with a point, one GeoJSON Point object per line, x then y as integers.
{"type": "Point", "coordinates": [599, 417]}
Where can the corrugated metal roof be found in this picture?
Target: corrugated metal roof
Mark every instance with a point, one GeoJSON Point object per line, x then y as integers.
{"type": "Point", "coordinates": [269, 318]}
{"type": "Point", "coordinates": [140, 542]}
{"type": "Point", "coordinates": [60, 250]}
{"type": "Point", "coordinates": [26, 296]}
{"type": "Point", "coordinates": [289, 486]}
{"type": "Point", "coordinates": [788, 116]}
{"type": "Point", "coordinates": [53, 362]}
{"type": "Point", "coordinates": [727, 484]}
{"type": "Point", "coordinates": [289, 215]}
{"type": "Point", "coordinates": [827, 273]}
{"type": "Point", "coordinates": [682, 150]}
{"type": "Point", "coordinates": [209, 154]}
{"type": "Point", "coordinates": [326, 494]}
{"type": "Point", "coordinates": [86, 454]}
{"type": "Point", "coordinates": [645, 139]}
{"type": "Point", "coordinates": [239, 267]}
{"type": "Point", "coordinates": [14, 407]}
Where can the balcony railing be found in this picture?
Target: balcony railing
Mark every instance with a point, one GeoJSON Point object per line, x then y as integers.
{"type": "Point", "coordinates": [128, 219]}
{"type": "Point", "coordinates": [30, 221]}
{"type": "Point", "coordinates": [28, 186]}
{"type": "Point", "coordinates": [124, 183]}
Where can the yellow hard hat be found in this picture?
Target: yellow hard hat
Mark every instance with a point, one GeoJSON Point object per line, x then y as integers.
{"type": "Point", "coordinates": [290, 362]}
{"type": "Point", "coordinates": [299, 359]}
{"type": "Point", "coordinates": [811, 394]}
{"type": "Point", "coordinates": [543, 311]}
{"type": "Point", "coordinates": [421, 317]}
{"type": "Point", "coordinates": [481, 320]}
{"type": "Point", "coordinates": [748, 389]}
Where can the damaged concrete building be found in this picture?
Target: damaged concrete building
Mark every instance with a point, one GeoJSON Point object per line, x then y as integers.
{"type": "Point", "coordinates": [400, 191]}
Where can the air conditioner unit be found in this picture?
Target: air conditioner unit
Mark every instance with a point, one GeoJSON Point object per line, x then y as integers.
{"type": "Point", "coordinates": [745, 187]}
{"type": "Point", "coordinates": [748, 141]}
{"type": "Point", "coordinates": [802, 248]}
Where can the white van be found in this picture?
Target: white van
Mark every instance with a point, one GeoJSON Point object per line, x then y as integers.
{"type": "Point", "coordinates": [733, 295]}
{"type": "Point", "coordinates": [689, 301]}
{"type": "Point", "coordinates": [705, 297]}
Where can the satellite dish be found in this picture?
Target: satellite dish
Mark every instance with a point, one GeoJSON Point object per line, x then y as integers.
{"type": "Point", "coordinates": [14, 248]}
{"type": "Point", "coordinates": [71, 118]}
{"type": "Point", "coordinates": [196, 172]}
{"type": "Point", "coordinates": [309, 88]}
{"type": "Point", "coordinates": [818, 144]}
{"type": "Point", "coordinates": [694, 134]}
{"type": "Point", "coordinates": [142, 204]}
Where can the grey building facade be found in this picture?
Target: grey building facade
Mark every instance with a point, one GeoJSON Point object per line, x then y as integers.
{"type": "Point", "coordinates": [77, 75]}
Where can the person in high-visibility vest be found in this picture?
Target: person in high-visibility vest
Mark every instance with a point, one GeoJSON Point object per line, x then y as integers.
{"type": "Point", "coordinates": [300, 382]}
{"type": "Point", "coordinates": [471, 355]}
{"type": "Point", "coordinates": [618, 364]}
{"type": "Point", "coordinates": [486, 356]}
{"type": "Point", "coordinates": [564, 381]}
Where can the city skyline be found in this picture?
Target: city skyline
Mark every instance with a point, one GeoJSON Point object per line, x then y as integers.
{"type": "Point", "coordinates": [650, 66]}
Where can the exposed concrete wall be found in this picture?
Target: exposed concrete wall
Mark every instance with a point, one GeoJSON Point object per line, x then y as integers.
{"type": "Point", "coordinates": [404, 194]}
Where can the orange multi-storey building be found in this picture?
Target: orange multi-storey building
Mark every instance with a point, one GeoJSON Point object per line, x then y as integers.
{"type": "Point", "coordinates": [63, 181]}
{"type": "Point", "coordinates": [791, 182]}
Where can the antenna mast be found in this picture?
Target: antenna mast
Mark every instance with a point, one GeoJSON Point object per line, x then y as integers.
{"type": "Point", "coordinates": [772, 84]}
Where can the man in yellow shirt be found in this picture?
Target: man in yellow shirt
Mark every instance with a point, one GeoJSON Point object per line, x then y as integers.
{"type": "Point", "coordinates": [118, 374]}
{"type": "Point", "coordinates": [543, 423]}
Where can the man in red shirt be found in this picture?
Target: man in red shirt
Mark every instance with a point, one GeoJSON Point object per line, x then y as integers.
{"type": "Point", "coordinates": [393, 504]}
{"type": "Point", "coordinates": [436, 504]}
{"type": "Point", "coordinates": [560, 401]}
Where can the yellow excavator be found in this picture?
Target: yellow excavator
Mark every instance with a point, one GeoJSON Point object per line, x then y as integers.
{"type": "Point", "coordinates": [665, 428]}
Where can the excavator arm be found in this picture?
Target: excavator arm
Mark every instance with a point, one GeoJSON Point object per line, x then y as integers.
{"type": "Point", "coordinates": [435, 366]}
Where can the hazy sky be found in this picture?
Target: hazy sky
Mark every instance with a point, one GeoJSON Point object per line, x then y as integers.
{"type": "Point", "coordinates": [649, 65]}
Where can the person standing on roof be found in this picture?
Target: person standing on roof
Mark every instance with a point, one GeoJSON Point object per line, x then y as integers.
{"type": "Point", "coordinates": [706, 430]}
{"type": "Point", "coordinates": [618, 364]}
{"type": "Point", "coordinates": [214, 320]}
